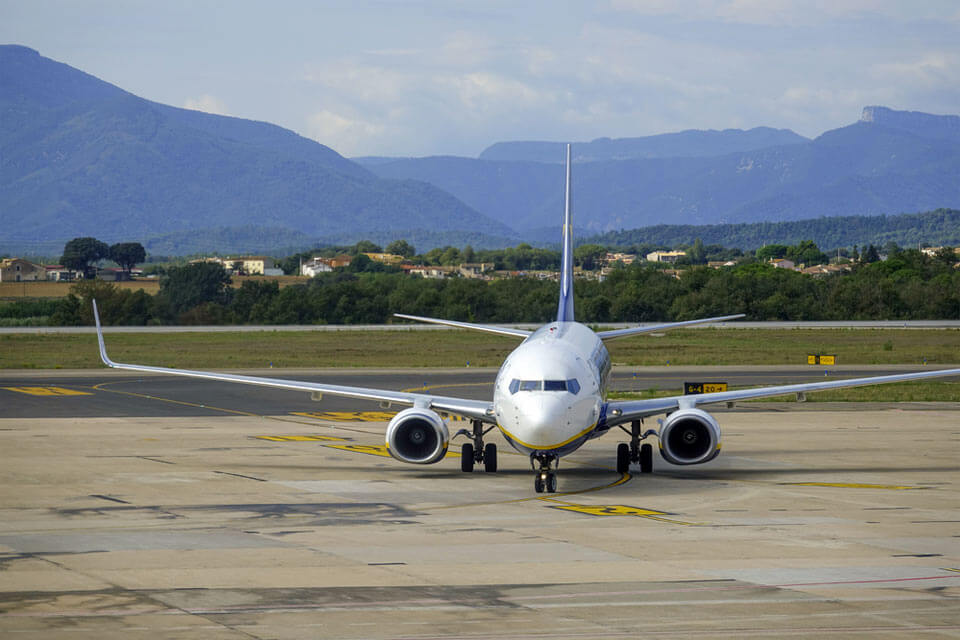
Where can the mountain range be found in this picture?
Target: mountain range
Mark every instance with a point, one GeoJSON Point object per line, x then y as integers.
{"type": "Point", "coordinates": [887, 162]}
{"type": "Point", "coordinates": [83, 157]}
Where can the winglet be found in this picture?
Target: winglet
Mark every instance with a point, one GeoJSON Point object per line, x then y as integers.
{"type": "Point", "coordinates": [565, 307]}
{"type": "Point", "coordinates": [103, 349]}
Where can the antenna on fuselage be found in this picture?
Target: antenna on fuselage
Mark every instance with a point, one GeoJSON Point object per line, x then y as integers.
{"type": "Point", "coordinates": [565, 307]}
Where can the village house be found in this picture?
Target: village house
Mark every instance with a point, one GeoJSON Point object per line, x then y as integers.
{"type": "Point", "coordinates": [666, 256]}
{"type": "Point", "coordinates": [60, 273]}
{"type": "Point", "coordinates": [783, 263]}
{"type": "Point", "coordinates": [385, 258]}
{"type": "Point", "coordinates": [475, 269]}
{"type": "Point", "coordinates": [437, 273]}
{"type": "Point", "coordinates": [625, 258]}
{"type": "Point", "coordinates": [20, 270]}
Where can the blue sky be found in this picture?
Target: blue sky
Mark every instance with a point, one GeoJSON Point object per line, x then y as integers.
{"type": "Point", "coordinates": [432, 77]}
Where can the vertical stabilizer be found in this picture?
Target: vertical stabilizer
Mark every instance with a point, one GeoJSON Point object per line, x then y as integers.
{"type": "Point", "coordinates": [565, 308]}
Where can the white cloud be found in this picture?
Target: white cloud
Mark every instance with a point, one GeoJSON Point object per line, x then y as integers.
{"type": "Point", "coordinates": [348, 136]}
{"type": "Point", "coordinates": [206, 103]}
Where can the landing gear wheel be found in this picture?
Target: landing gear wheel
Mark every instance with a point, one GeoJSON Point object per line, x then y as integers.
{"type": "Point", "coordinates": [551, 483]}
{"type": "Point", "coordinates": [538, 484]}
{"type": "Point", "coordinates": [466, 457]}
{"type": "Point", "coordinates": [623, 458]}
{"type": "Point", "coordinates": [646, 458]}
{"type": "Point", "coordinates": [490, 458]}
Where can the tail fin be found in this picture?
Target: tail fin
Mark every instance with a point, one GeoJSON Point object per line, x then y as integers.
{"type": "Point", "coordinates": [565, 307]}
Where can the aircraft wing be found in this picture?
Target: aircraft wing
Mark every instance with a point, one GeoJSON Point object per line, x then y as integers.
{"type": "Point", "coordinates": [621, 411]}
{"type": "Point", "coordinates": [477, 409]}
{"type": "Point", "coordinates": [632, 331]}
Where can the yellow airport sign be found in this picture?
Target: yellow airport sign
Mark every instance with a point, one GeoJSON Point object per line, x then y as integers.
{"type": "Point", "coordinates": [821, 359]}
{"type": "Point", "coordinates": [695, 388]}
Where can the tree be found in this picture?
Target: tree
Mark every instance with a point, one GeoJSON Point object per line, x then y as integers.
{"type": "Point", "coordinates": [80, 252]}
{"type": "Point", "coordinates": [772, 251]}
{"type": "Point", "coordinates": [401, 248]}
{"type": "Point", "coordinates": [698, 255]}
{"type": "Point", "coordinates": [365, 246]}
{"type": "Point", "coordinates": [128, 254]}
{"type": "Point", "coordinates": [870, 255]}
{"type": "Point", "coordinates": [189, 286]}
{"type": "Point", "coordinates": [588, 256]}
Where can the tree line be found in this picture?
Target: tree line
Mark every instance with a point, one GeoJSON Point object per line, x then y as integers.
{"type": "Point", "coordinates": [909, 285]}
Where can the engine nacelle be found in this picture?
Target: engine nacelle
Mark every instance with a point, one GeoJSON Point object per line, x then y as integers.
{"type": "Point", "coordinates": [689, 436]}
{"type": "Point", "coordinates": [418, 436]}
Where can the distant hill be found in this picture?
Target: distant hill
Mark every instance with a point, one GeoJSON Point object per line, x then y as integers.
{"type": "Point", "coordinates": [940, 227]}
{"type": "Point", "coordinates": [83, 157]}
{"type": "Point", "coordinates": [690, 144]}
{"type": "Point", "coordinates": [888, 162]}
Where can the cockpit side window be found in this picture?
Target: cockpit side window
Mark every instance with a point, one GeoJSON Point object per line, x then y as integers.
{"type": "Point", "coordinates": [573, 386]}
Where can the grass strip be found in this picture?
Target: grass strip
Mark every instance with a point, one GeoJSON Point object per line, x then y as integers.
{"type": "Point", "coordinates": [406, 349]}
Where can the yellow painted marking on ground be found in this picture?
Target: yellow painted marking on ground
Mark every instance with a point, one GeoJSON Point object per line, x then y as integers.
{"type": "Point", "coordinates": [297, 438]}
{"type": "Point", "coordinates": [347, 416]}
{"type": "Point", "coordinates": [443, 386]}
{"type": "Point", "coordinates": [950, 569]}
{"type": "Point", "coordinates": [48, 391]}
{"type": "Point", "coordinates": [609, 510]}
{"type": "Point", "coordinates": [616, 510]}
{"type": "Point", "coordinates": [374, 449]}
{"type": "Point", "coordinates": [850, 485]}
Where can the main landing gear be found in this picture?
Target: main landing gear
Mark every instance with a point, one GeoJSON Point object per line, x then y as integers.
{"type": "Point", "coordinates": [546, 478]}
{"type": "Point", "coordinates": [634, 452]}
{"type": "Point", "coordinates": [475, 451]}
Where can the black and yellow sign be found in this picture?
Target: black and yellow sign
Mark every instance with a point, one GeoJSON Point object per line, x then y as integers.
{"type": "Point", "coordinates": [821, 359]}
{"type": "Point", "coordinates": [48, 391]}
{"type": "Point", "coordinates": [694, 388]}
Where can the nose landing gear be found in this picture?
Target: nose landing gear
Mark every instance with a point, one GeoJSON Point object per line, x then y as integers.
{"type": "Point", "coordinates": [546, 478]}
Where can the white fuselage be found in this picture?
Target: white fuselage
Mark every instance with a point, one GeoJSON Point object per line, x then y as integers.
{"type": "Point", "coordinates": [550, 390]}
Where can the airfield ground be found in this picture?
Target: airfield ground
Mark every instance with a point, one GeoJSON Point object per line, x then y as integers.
{"type": "Point", "coordinates": [158, 507]}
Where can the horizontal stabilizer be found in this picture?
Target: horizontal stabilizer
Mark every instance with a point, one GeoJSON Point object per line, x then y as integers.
{"type": "Point", "coordinates": [489, 328]}
{"type": "Point", "coordinates": [632, 331]}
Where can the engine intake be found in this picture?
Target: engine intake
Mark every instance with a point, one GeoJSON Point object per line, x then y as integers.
{"type": "Point", "coordinates": [689, 436]}
{"type": "Point", "coordinates": [417, 436]}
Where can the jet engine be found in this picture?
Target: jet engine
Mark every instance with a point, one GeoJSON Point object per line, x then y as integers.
{"type": "Point", "coordinates": [418, 436]}
{"type": "Point", "coordinates": [689, 436]}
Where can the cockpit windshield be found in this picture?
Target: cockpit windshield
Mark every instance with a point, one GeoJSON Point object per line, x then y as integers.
{"type": "Point", "coordinates": [570, 385]}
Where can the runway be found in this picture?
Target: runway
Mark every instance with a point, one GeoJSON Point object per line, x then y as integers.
{"type": "Point", "coordinates": [159, 507]}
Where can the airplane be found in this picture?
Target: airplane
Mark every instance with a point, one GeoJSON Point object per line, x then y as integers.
{"type": "Point", "coordinates": [549, 397]}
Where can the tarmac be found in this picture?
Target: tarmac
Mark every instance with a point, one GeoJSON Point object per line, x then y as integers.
{"type": "Point", "coordinates": [147, 507]}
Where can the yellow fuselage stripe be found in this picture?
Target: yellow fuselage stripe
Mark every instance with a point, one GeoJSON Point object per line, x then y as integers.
{"type": "Point", "coordinates": [546, 448]}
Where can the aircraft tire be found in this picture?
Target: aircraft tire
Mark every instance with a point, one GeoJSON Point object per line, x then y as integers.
{"type": "Point", "coordinates": [646, 458]}
{"type": "Point", "coordinates": [490, 458]}
{"type": "Point", "coordinates": [551, 483]}
{"type": "Point", "coordinates": [623, 458]}
{"type": "Point", "coordinates": [466, 457]}
{"type": "Point", "coordinates": [538, 484]}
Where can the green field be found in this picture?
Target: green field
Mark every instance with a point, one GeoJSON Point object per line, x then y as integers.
{"type": "Point", "coordinates": [406, 349]}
